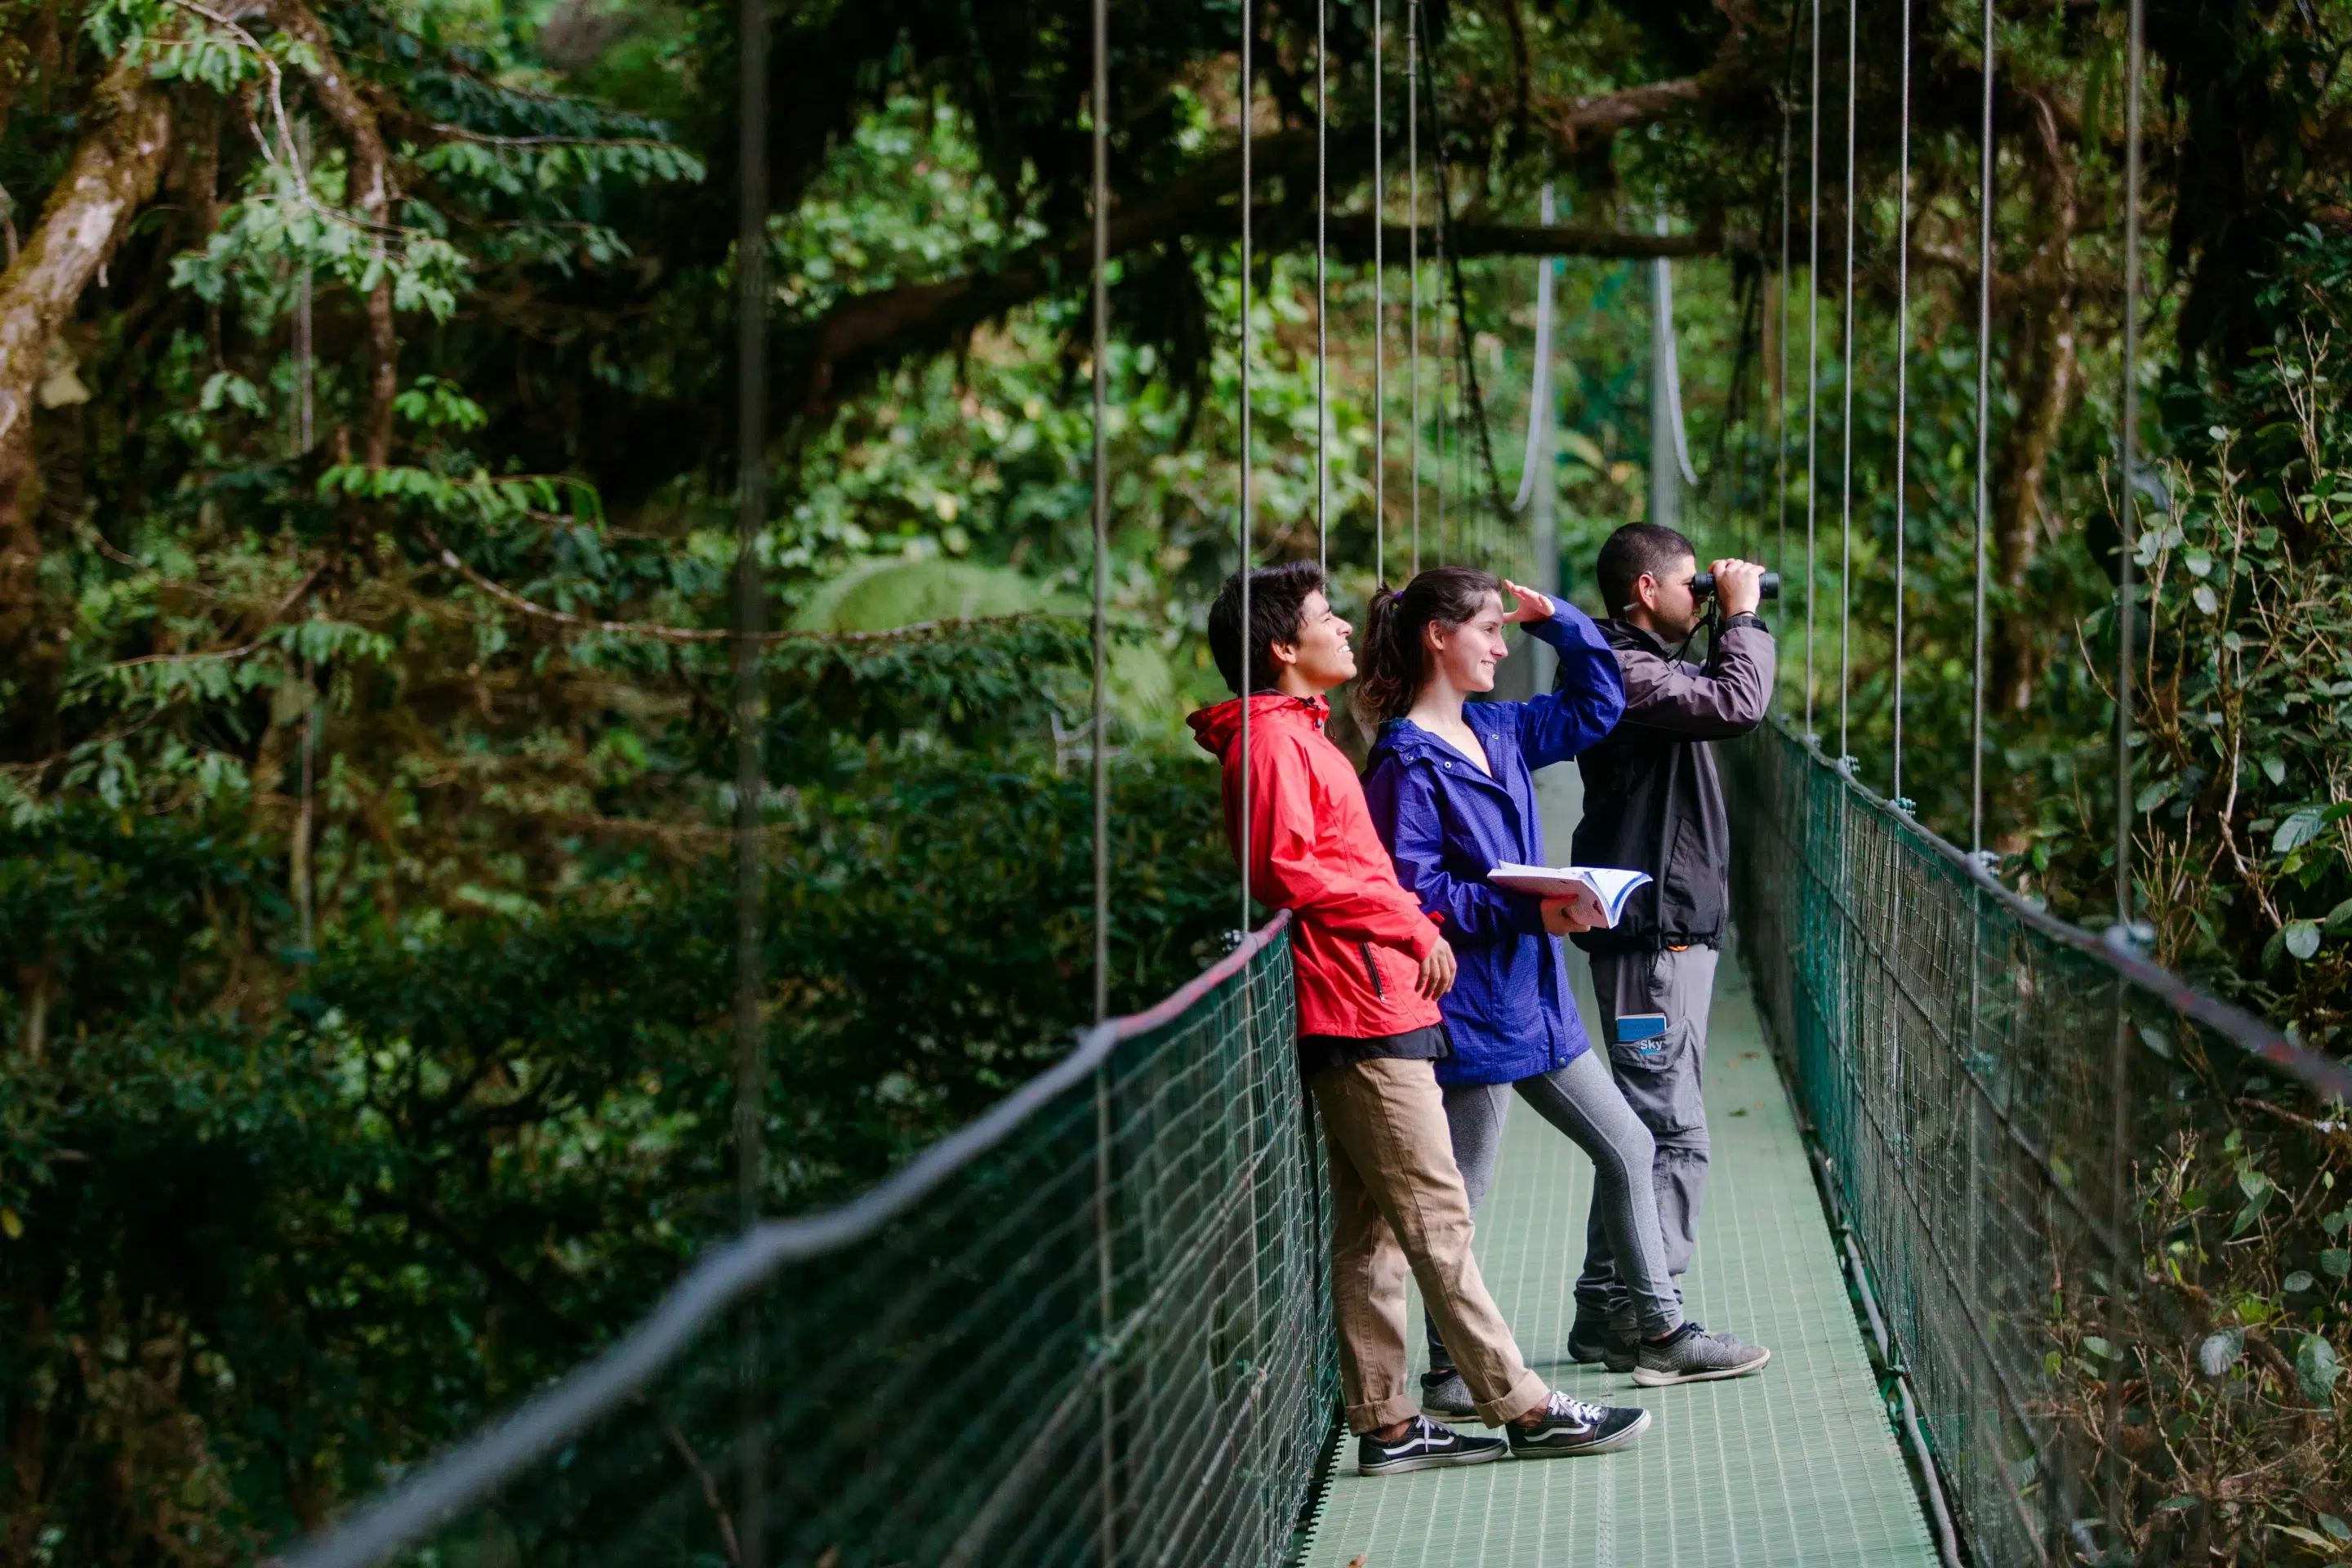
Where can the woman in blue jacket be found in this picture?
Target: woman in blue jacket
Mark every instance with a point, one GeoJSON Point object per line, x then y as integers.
{"type": "Point", "coordinates": [1451, 793]}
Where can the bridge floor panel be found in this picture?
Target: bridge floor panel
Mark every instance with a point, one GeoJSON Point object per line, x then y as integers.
{"type": "Point", "coordinates": [1795, 1466]}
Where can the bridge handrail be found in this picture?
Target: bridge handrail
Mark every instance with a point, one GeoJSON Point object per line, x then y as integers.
{"type": "Point", "coordinates": [475, 1469]}
{"type": "Point", "coordinates": [2256, 1035]}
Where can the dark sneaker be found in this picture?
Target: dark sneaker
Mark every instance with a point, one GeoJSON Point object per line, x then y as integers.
{"type": "Point", "coordinates": [1572, 1426]}
{"type": "Point", "coordinates": [1691, 1354]}
{"type": "Point", "coordinates": [1425, 1446]}
{"type": "Point", "coordinates": [1445, 1395]}
{"type": "Point", "coordinates": [1604, 1336]}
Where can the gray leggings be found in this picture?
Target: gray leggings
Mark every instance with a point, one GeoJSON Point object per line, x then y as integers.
{"type": "Point", "coordinates": [1582, 1100]}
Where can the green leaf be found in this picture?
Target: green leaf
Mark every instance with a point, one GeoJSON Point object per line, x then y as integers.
{"type": "Point", "coordinates": [2205, 600]}
{"type": "Point", "coordinates": [2308, 1537]}
{"type": "Point", "coordinates": [2221, 1351]}
{"type": "Point", "coordinates": [2336, 1260]}
{"type": "Point", "coordinates": [2179, 1504]}
{"type": "Point", "coordinates": [2199, 562]}
{"type": "Point", "coordinates": [2155, 794]}
{"type": "Point", "coordinates": [2335, 1527]}
{"type": "Point", "coordinates": [2296, 1283]}
{"type": "Point", "coordinates": [2297, 830]}
{"type": "Point", "coordinates": [2339, 918]}
{"type": "Point", "coordinates": [2157, 1040]}
{"type": "Point", "coordinates": [2275, 770]}
{"type": "Point", "coordinates": [2303, 939]}
{"type": "Point", "coordinates": [2098, 1347]}
{"type": "Point", "coordinates": [2316, 1370]}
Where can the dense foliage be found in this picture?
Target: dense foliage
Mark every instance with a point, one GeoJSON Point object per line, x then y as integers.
{"type": "Point", "coordinates": [366, 537]}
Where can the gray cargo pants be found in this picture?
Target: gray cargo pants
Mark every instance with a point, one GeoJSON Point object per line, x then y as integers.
{"type": "Point", "coordinates": [1661, 1077]}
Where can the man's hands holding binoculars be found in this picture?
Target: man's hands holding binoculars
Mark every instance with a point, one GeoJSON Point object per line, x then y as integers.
{"type": "Point", "coordinates": [1738, 585]}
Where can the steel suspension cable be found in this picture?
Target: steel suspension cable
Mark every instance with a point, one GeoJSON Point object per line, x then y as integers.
{"type": "Point", "coordinates": [1845, 417]}
{"type": "Point", "coordinates": [1780, 391]}
{"type": "Point", "coordinates": [2118, 1064]}
{"type": "Point", "coordinates": [1413, 243]}
{"type": "Point", "coordinates": [2126, 611]}
{"type": "Point", "coordinates": [1444, 426]}
{"type": "Point", "coordinates": [1813, 361]}
{"type": "Point", "coordinates": [1901, 382]}
{"type": "Point", "coordinates": [751, 761]}
{"type": "Point", "coordinates": [1379, 320]}
{"type": "Point", "coordinates": [1243, 525]}
{"type": "Point", "coordinates": [1984, 427]}
{"type": "Point", "coordinates": [1099, 111]}
{"type": "Point", "coordinates": [1322, 300]}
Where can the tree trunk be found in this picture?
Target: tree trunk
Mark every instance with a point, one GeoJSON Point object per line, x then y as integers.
{"type": "Point", "coordinates": [113, 172]}
{"type": "Point", "coordinates": [2045, 327]}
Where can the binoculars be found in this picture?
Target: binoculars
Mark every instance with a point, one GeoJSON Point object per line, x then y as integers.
{"type": "Point", "coordinates": [1703, 585]}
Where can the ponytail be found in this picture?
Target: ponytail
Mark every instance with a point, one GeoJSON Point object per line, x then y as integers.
{"type": "Point", "coordinates": [1394, 663]}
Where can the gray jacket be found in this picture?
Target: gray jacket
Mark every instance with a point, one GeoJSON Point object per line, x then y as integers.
{"type": "Point", "coordinates": [1653, 801]}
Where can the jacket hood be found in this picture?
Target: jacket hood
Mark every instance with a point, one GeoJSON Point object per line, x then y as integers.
{"type": "Point", "coordinates": [1218, 728]}
{"type": "Point", "coordinates": [1625, 634]}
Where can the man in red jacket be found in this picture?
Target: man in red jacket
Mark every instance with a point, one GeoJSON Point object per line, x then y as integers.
{"type": "Point", "coordinates": [1369, 967]}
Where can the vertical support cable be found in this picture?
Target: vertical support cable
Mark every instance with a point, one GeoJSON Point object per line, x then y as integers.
{"type": "Point", "coordinates": [1901, 382]}
{"type": "Point", "coordinates": [1812, 360]}
{"type": "Point", "coordinates": [750, 767]}
{"type": "Point", "coordinates": [1412, 248]}
{"type": "Point", "coordinates": [1780, 392]}
{"type": "Point", "coordinates": [305, 877]}
{"type": "Point", "coordinates": [1445, 347]}
{"type": "Point", "coordinates": [1322, 297]}
{"type": "Point", "coordinates": [1248, 343]}
{"type": "Point", "coordinates": [1379, 320]}
{"type": "Point", "coordinates": [2119, 1130]}
{"type": "Point", "coordinates": [1984, 427]}
{"type": "Point", "coordinates": [2126, 610]}
{"type": "Point", "coordinates": [1098, 108]}
{"type": "Point", "coordinates": [1846, 418]}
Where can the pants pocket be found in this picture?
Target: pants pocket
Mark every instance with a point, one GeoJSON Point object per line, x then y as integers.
{"type": "Point", "coordinates": [1660, 1079]}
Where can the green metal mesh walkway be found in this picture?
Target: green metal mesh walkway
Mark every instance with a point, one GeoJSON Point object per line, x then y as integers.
{"type": "Point", "coordinates": [1797, 1465]}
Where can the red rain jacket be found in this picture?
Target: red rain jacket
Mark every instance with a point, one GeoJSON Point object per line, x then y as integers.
{"type": "Point", "coordinates": [1358, 939]}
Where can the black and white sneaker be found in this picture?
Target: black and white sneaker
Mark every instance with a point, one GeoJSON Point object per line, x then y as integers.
{"type": "Point", "coordinates": [1571, 1427]}
{"type": "Point", "coordinates": [1604, 1336]}
{"type": "Point", "coordinates": [1425, 1446]}
{"type": "Point", "coordinates": [1445, 1397]}
{"type": "Point", "coordinates": [1691, 1354]}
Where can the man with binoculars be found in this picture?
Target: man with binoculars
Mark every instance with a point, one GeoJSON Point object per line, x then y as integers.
{"type": "Point", "coordinates": [1653, 802]}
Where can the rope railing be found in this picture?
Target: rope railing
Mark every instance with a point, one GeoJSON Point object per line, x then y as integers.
{"type": "Point", "coordinates": [1090, 1327]}
{"type": "Point", "coordinates": [2101, 1271]}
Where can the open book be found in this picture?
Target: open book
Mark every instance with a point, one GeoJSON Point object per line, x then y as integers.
{"type": "Point", "coordinates": [1600, 891]}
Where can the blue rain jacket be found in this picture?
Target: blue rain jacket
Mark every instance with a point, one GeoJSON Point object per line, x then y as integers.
{"type": "Point", "coordinates": [1446, 824]}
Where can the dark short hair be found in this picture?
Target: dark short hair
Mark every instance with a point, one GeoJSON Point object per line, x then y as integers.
{"type": "Point", "coordinates": [1633, 550]}
{"type": "Point", "coordinates": [1277, 597]}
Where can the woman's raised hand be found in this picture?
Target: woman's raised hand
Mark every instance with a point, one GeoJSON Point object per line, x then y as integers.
{"type": "Point", "coordinates": [1532, 605]}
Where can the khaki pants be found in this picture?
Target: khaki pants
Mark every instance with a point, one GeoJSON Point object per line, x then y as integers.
{"type": "Point", "coordinates": [1397, 1203]}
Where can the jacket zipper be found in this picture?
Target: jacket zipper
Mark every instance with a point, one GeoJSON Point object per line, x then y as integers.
{"type": "Point", "coordinates": [1372, 969]}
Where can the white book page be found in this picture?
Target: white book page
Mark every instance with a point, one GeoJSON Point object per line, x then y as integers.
{"type": "Point", "coordinates": [1599, 892]}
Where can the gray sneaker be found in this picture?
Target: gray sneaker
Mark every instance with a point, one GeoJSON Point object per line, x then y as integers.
{"type": "Point", "coordinates": [1446, 1397]}
{"type": "Point", "coordinates": [1691, 1354]}
{"type": "Point", "coordinates": [1604, 1336]}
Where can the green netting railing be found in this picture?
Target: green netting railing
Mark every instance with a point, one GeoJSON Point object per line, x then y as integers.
{"type": "Point", "coordinates": [2107, 1216]}
{"type": "Point", "coordinates": [1092, 1327]}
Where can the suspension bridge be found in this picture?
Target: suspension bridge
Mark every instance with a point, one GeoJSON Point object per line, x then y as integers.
{"type": "Point", "coordinates": [1978, 1173]}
